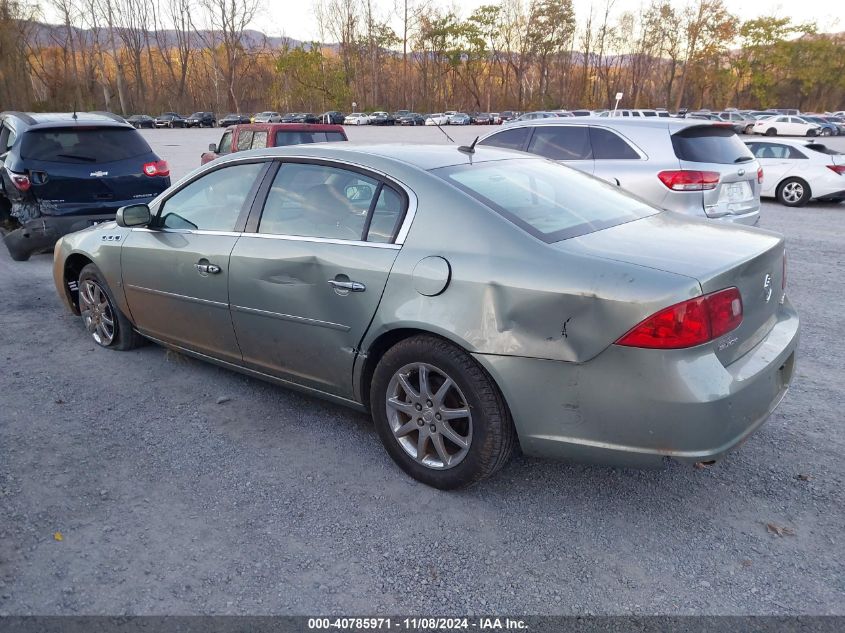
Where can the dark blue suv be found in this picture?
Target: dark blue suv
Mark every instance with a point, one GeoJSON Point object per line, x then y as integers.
{"type": "Point", "coordinates": [60, 173]}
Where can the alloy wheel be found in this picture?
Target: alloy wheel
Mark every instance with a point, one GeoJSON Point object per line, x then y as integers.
{"type": "Point", "coordinates": [96, 312]}
{"type": "Point", "coordinates": [793, 192]}
{"type": "Point", "coordinates": [429, 416]}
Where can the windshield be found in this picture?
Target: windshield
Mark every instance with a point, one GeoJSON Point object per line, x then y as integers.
{"type": "Point", "coordinates": [548, 200]}
{"type": "Point", "coordinates": [92, 145]}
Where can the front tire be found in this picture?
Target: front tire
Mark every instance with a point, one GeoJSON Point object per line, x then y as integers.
{"type": "Point", "coordinates": [771, 132]}
{"type": "Point", "coordinates": [439, 415]}
{"type": "Point", "coordinates": [794, 192]}
{"type": "Point", "coordinates": [107, 325]}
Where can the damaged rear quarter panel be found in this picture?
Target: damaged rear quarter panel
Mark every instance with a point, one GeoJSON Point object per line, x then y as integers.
{"type": "Point", "coordinates": [511, 294]}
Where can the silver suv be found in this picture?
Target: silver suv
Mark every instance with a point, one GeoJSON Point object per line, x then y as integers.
{"type": "Point", "coordinates": [686, 165]}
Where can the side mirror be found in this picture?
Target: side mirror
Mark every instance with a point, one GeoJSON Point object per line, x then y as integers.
{"type": "Point", "coordinates": [133, 215]}
{"type": "Point", "coordinates": [212, 147]}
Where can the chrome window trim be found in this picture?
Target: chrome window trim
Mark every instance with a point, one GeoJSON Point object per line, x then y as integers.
{"type": "Point", "coordinates": [322, 240]}
{"type": "Point", "coordinates": [271, 236]}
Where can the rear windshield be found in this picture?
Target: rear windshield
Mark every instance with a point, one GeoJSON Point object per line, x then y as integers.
{"type": "Point", "coordinates": [824, 149]}
{"type": "Point", "coordinates": [297, 138]}
{"type": "Point", "coordinates": [550, 201]}
{"type": "Point", "coordinates": [710, 144]}
{"type": "Point", "coordinates": [76, 145]}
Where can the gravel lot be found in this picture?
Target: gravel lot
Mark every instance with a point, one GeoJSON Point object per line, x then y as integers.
{"type": "Point", "coordinates": [126, 489]}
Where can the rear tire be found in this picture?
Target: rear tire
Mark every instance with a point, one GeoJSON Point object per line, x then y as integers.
{"type": "Point", "coordinates": [107, 325]}
{"type": "Point", "coordinates": [794, 192]}
{"type": "Point", "coordinates": [429, 396]}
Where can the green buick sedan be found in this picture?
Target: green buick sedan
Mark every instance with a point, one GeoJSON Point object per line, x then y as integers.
{"type": "Point", "coordinates": [471, 299]}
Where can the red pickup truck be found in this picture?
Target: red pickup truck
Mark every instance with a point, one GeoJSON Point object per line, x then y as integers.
{"type": "Point", "coordinates": [237, 138]}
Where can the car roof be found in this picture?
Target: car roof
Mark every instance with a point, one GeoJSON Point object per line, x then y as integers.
{"type": "Point", "coordinates": [622, 122]}
{"type": "Point", "coordinates": [289, 127]}
{"type": "Point", "coordinates": [424, 157]}
{"type": "Point", "coordinates": [35, 120]}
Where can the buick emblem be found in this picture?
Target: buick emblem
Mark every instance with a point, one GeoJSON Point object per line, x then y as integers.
{"type": "Point", "coordinates": [741, 172]}
{"type": "Point", "coordinates": [767, 286]}
{"type": "Point", "coordinates": [99, 174]}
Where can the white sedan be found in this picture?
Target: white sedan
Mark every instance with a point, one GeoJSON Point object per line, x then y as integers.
{"type": "Point", "coordinates": [784, 125]}
{"type": "Point", "coordinates": [796, 172]}
{"type": "Point", "coordinates": [356, 118]}
{"type": "Point", "coordinates": [437, 119]}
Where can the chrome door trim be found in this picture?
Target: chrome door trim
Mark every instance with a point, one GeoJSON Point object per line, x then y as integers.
{"type": "Point", "coordinates": [173, 295]}
{"type": "Point", "coordinates": [291, 317]}
{"type": "Point", "coordinates": [322, 240]}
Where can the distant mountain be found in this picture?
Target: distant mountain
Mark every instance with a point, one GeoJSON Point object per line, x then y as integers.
{"type": "Point", "coordinates": [44, 34]}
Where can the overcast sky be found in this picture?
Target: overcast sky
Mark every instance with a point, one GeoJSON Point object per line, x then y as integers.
{"type": "Point", "coordinates": [295, 18]}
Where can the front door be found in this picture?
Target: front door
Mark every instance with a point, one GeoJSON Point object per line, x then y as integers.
{"type": "Point", "coordinates": [176, 273]}
{"type": "Point", "coordinates": [305, 286]}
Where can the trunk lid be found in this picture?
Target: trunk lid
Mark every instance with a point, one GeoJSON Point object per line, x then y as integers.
{"type": "Point", "coordinates": [716, 148]}
{"type": "Point", "coordinates": [718, 256]}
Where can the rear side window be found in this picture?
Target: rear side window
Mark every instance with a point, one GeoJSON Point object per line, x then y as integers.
{"type": "Point", "coordinates": [564, 142]}
{"type": "Point", "coordinates": [509, 139]}
{"type": "Point", "coordinates": [710, 144]}
{"type": "Point", "coordinates": [284, 137]}
{"type": "Point", "coordinates": [552, 202]}
{"type": "Point", "coordinates": [774, 150]}
{"type": "Point", "coordinates": [83, 145]}
{"type": "Point", "coordinates": [608, 145]}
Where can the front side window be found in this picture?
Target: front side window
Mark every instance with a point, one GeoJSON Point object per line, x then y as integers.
{"type": "Point", "coordinates": [564, 142]}
{"type": "Point", "coordinates": [225, 145]}
{"type": "Point", "coordinates": [514, 138]}
{"type": "Point", "coordinates": [550, 201]}
{"type": "Point", "coordinates": [212, 202]}
{"type": "Point", "coordinates": [318, 201]}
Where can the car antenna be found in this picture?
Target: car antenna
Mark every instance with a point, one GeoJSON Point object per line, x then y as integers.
{"type": "Point", "coordinates": [451, 140]}
{"type": "Point", "coordinates": [469, 149]}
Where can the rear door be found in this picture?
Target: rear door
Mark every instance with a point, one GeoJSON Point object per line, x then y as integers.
{"type": "Point", "coordinates": [89, 165]}
{"type": "Point", "coordinates": [176, 273]}
{"type": "Point", "coordinates": [717, 148]}
{"type": "Point", "coordinates": [307, 277]}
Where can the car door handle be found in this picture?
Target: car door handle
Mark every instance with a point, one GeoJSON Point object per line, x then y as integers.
{"type": "Point", "coordinates": [208, 269]}
{"type": "Point", "coordinates": [352, 286]}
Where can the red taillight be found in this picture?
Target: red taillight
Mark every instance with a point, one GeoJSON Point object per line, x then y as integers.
{"type": "Point", "coordinates": [689, 323]}
{"type": "Point", "coordinates": [21, 181]}
{"type": "Point", "coordinates": [759, 175]}
{"type": "Point", "coordinates": [839, 169]}
{"type": "Point", "coordinates": [689, 180]}
{"type": "Point", "coordinates": [158, 168]}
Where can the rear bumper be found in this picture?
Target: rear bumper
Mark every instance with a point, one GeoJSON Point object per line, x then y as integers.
{"type": "Point", "coordinates": [636, 407]}
{"type": "Point", "coordinates": [40, 234]}
{"type": "Point", "coordinates": [751, 218]}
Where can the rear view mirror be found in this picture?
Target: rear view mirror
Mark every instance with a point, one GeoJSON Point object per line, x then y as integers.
{"type": "Point", "coordinates": [359, 192]}
{"type": "Point", "coordinates": [212, 147]}
{"type": "Point", "coordinates": [133, 215]}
